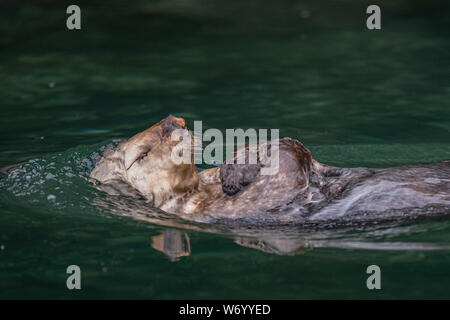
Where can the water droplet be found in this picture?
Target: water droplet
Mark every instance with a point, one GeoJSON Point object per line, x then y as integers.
{"type": "Point", "coordinates": [49, 176]}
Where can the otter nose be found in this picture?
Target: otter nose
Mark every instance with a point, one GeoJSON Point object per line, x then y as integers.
{"type": "Point", "coordinates": [180, 121]}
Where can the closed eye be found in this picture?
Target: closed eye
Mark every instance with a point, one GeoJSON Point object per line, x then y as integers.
{"type": "Point", "coordinates": [141, 156]}
{"type": "Point", "coordinates": [144, 154]}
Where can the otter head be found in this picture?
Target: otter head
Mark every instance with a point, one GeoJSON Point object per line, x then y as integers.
{"type": "Point", "coordinates": [150, 166]}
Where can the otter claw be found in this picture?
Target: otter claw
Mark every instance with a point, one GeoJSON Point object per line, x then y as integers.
{"type": "Point", "coordinates": [230, 190]}
{"type": "Point", "coordinates": [234, 177]}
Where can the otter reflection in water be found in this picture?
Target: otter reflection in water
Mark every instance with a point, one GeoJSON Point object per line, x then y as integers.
{"type": "Point", "coordinates": [303, 191]}
{"type": "Point", "coordinates": [173, 243]}
{"type": "Point", "coordinates": [176, 243]}
{"type": "Point", "coordinates": [172, 238]}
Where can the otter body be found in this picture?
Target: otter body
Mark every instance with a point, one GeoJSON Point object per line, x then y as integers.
{"type": "Point", "coordinates": [302, 189]}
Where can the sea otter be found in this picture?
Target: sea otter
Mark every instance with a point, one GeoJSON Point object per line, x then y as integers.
{"type": "Point", "coordinates": [302, 189]}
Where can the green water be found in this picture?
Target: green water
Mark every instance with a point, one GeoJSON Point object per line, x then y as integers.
{"type": "Point", "coordinates": [354, 97]}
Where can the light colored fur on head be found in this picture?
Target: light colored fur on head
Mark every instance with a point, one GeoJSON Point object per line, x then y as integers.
{"type": "Point", "coordinates": [144, 162]}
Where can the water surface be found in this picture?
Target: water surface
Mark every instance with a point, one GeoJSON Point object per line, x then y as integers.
{"type": "Point", "coordinates": [353, 97]}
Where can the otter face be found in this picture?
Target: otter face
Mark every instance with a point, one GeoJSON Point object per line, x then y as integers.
{"type": "Point", "coordinates": [148, 163]}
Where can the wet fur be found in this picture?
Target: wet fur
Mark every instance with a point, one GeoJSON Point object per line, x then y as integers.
{"type": "Point", "coordinates": [303, 190]}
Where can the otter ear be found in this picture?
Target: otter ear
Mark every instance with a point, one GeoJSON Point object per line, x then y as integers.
{"type": "Point", "coordinates": [235, 177]}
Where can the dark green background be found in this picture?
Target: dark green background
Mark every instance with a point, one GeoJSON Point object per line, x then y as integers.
{"type": "Point", "coordinates": [355, 97]}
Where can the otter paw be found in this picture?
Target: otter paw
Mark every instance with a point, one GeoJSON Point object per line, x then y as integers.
{"type": "Point", "coordinates": [230, 189]}
{"type": "Point", "coordinates": [235, 177]}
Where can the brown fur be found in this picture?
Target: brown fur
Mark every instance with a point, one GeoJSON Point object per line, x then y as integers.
{"type": "Point", "coordinates": [301, 189]}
